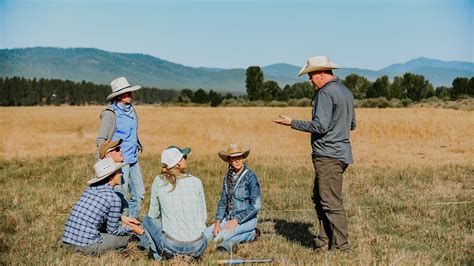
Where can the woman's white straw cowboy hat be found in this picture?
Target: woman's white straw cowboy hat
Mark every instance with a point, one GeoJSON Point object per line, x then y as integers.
{"type": "Point", "coordinates": [232, 151]}
{"type": "Point", "coordinates": [120, 86]}
{"type": "Point", "coordinates": [318, 63]}
{"type": "Point", "coordinates": [105, 168]}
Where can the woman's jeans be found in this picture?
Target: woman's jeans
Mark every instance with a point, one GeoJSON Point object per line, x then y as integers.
{"type": "Point", "coordinates": [131, 182]}
{"type": "Point", "coordinates": [166, 247]}
{"type": "Point", "coordinates": [242, 233]}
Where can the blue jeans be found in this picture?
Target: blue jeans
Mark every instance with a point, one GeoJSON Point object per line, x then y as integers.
{"type": "Point", "coordinates": [131, 182]}
{"type": "Point", "coordinates": [163, 246]}
{"type": "Point", "coordinates": [242, 233]}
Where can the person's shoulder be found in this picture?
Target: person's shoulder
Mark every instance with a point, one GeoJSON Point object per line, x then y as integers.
{"type": "Point", "coordinates": [104, 193]}
{"type": "Point", "coordinates": [249, 173]}
{"type": "Point", "coordinates": [109, 107]}
{"type": "Point", "coordinates": [159, 180]}
{"type": "Point", "coordinates": [335, 82]}
{"type": "Point", "coordinates": [192, 179]}
{"type": "Point", "coordinates": [338, 84]}
{"type": "Point", "coordinates": [336, 89]}
{"type": "Point", "coordinates": [107, 190]}
{"type": "Point", "coordinates": [108, 111]}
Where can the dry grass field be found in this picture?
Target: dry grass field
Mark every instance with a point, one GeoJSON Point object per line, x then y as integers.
{"type": "Point", "coordinates": [409, 195]}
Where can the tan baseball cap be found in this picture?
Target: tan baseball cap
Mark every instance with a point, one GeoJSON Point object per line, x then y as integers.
{"type": "Point", "coordinates": [107, 146]}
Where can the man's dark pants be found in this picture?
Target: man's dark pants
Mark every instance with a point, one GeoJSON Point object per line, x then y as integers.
{"type": "Point", "coordinates": [328, 202]}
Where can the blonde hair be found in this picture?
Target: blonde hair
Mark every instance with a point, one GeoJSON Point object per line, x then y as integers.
{"type": "Point", "coordinates": [170, 175]}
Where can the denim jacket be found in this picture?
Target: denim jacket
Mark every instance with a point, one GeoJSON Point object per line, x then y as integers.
{"type": "Point", "coordinates": [247, 199]}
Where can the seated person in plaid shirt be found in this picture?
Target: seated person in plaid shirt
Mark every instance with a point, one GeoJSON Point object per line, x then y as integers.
{"type": "Point", "coordinates": [177, 215]}
{"type": "Point", "coordinates": [240, 202]}
{"type": "Point", "coordinates": [93, 225]}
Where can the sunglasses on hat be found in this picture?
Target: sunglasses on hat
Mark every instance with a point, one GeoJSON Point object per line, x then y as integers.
{"type": "Point", "coordinates": [116, 149]}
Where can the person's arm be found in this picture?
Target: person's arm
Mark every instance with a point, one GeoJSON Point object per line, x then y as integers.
{"type": "Point", "coordinates": [202, 203]}
{"type": "Point", "coordinates": [255, 201]}
{"type": "Point", "coordinates": [113, 218]}
{"type": "Point", "coordinates": [129, 220]}
{"type": "Point", "coordinates": [140, 145]}
{"type": "Point", "coordinates": [154, 211]}
{"type": "Point", "coordinates": [107, 122]}
{"type": "Point", "coordinates": [322, 118]}
{"type": "Point", "coordinates": [217, 228]}
{"type": "Point", "coordinates": [221, 206]}
{"type": "Point", "coordinates": [353, 121]}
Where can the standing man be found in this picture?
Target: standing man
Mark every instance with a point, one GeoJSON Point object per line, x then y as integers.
{"type": "Point", "coordinates": [333, 118]}
{"type": "Point", "coordinates": [120, 121]}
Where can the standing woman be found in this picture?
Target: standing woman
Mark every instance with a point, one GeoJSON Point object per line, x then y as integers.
{"type": "Point", "coordinates": [177, 215]}
{"type": "Point", "coordinates": [237, 210]}
{"type": "Point", "coordinates": [119, 121]}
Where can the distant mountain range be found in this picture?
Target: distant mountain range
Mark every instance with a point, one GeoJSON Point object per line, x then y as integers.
{"type": "Point", "coordinates": [101, 67]}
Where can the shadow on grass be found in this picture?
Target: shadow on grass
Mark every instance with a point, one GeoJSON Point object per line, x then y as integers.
{"type": "Point", "coordinates": [296, 232]}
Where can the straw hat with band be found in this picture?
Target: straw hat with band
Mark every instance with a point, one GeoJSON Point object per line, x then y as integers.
{"type": "Point", "coordinates": [107, 146]}
{"type": "Point", "coordinates": [318, 63]}
{"type": "Point", "coordinates": [104, 168]}
{"type": "Point", "coordinates": [234, 150]}
{"type": "Point", "coordinates": [120, 86]}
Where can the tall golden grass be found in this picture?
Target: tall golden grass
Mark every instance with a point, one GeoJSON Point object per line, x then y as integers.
{"type": "Point", "coordinates": [414, 136]}
{"type": "Point", "coordinates": [409, 195]}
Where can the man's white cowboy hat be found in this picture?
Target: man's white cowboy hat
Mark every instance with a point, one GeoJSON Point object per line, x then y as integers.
{"type": "Point", "coordinates": [120, 86]}
{"type": "Point", "coordinates": [233, 150]}
{"type": "Point", "coordinates": [105, 168]}
{"type": "Point", "coordinates": [318, 63]}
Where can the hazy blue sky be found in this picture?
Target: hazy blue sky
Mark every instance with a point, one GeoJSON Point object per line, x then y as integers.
{"type": "Point", "coordinates": [368, 33]}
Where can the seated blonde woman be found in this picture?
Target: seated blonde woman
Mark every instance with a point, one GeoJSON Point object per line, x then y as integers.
{"type": "Point", "coordinates": [240, 202]}
{"type": "Point", "coordinates": [177, 215]}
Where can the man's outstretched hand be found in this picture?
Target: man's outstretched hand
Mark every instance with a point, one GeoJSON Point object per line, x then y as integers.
{"type": "Point", "coordinates": [283, 120]}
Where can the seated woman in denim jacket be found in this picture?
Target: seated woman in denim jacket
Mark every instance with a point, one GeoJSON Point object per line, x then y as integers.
{"type": "Point", "coordinates": [237, 210]}
{"type": "Point", "coordinates": [177, 215]}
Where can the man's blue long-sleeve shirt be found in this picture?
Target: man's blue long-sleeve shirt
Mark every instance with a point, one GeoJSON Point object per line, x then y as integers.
{"type": "Point", "coordinates": [333, 118]}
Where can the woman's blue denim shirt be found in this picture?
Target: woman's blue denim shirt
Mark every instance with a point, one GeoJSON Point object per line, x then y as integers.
{"type": "Point", "coordinates": [247, 199]}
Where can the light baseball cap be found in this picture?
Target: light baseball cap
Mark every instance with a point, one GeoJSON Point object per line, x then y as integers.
{"type": "Point", "coordinates": [171, 157]}
{"type": "Point", "coordinates": [185, 151]}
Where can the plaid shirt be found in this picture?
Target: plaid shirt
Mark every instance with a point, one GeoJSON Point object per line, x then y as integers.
{"type": "Point", "coordinates": [98, 207]}
{"type": "Point", "coordinates": [181, 211]}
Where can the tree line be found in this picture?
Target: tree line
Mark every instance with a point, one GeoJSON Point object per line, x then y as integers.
{"type": "Point", "coordinates": [408, 86]}
{"type": "Point", "coordinates": [19, 91]}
